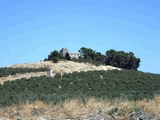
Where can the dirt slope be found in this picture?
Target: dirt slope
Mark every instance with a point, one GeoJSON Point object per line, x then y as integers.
{"type": "Point", "coordinates": [74, 109]}
{"type": "Point", "coordinates": [60, 67]}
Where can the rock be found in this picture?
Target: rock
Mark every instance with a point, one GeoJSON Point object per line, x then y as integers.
{"type": "Point", "coordinates": [38, 111]}
{"type": "Point", "coordinates": [3, 118]}
{"type": "Point", "coordinates": [41, 118]}
{"type": "Point", "coordinates": [21, 119]}
{"type": "Point", "coordinates": [143, 116]}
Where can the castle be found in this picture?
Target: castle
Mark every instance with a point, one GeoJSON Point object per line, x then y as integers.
{"type": "Point", "coordinates": [63, 51]}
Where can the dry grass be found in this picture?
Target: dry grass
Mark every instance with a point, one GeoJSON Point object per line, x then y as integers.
{"type": "Point", "coordinates": [61, 67]}
{"type": "Point", "coordinates": [77, 109]}
{"type": "Point", "coordinates": [19, 76]}
{"type": "Point", "coordinates": [151, 106]}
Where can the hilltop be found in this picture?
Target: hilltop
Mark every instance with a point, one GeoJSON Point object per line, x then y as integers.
{"type": "Point", "coordinates": [61, 67]}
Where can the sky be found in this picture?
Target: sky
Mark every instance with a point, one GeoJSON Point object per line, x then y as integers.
{"type": "Point", "coordinates": [31, 29]}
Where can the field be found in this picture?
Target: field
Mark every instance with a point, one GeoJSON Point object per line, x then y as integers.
{"type": "Point", "coordinates": [79, 94]}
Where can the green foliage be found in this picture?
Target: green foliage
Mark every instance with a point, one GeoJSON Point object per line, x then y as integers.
{"type": "Point", "coordinates": [90, 56]}
{"type": "Point", "coordinates": [4, 72]}
{"type": "Point", "coordinates": [115, 58]}
{"type": "Point", "coordinates": [55, 59]}
{"type": "Point", "coordinates": [88, 53]}
{"type": "Point", "coordinates": [113, 111]}
{"type": "Point", "coordinates": [67, 56]}
{"type": "Point", "coordinates": [54, 56]}
{"type": "Point", "coordinates": [124, 84]}
{"type": "Point", "coordinates": [45, 59]}
{"type": "Point", "coordinates": [122, 60]}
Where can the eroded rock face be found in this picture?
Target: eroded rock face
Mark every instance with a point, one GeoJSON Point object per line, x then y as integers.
{"type": "Point", "coordinates": [143, 116]}
{"type": "Point", "coordinates": [93, 116]}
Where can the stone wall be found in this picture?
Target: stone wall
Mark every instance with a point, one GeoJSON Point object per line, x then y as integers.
{"type": "Point", "coordinates": [74, 55]}
{"type": "Point", "coordinates": [63, 51]}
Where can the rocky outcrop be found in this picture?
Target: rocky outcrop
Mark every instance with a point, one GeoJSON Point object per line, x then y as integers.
{"type": "Point", "coordinates": [97, 115]}
{"type": "Point", "coordinates": [143, 116]}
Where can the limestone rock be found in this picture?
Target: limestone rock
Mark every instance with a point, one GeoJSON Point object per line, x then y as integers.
{"type": "Point", "coordinates": [143, 116]}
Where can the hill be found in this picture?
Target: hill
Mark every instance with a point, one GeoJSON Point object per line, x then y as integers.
{"type": "Point", "coordinates": [79, 91]}
{"type": "Point", "coordinates": [61, 67]}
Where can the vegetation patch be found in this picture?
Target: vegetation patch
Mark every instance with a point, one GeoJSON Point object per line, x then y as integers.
{"type": "Point", "coordinates": [4, 72]}
{"type": "Point", "coordinates": [124, 84]}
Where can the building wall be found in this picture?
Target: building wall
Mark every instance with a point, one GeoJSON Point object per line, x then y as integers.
{"type": "Point", "coordinates": [63, 51]}
{"type": "Point", "coordinates": [74, 55]}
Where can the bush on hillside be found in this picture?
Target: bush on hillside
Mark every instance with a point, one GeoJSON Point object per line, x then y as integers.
{"type": "Point", "coordinates": [125, 84]}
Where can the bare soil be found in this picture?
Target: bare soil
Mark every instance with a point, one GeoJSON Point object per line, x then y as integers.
{"type": "Point", "coordinates": [61, 67]}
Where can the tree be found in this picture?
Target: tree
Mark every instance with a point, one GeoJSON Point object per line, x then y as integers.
{"type": "Point", "coordinates": [133, 62]}
{"type": "Point", "coordinates": [87, 53]}
{"type": "Point", "coordinates": [45, 59]}
{"type": "Point", "coordinates": [110, 57]}
{"type": "Point", "coordinates": [67, 56]}
{"type": "Point", "coordinates": [99, 57]}
{"type": "Point", "coordinates": [122, 60]}
{"type": "Point", "coordinates": [90, 54]}
{"type": "Point", "coordinates": [54, 56]}
{"type": "Point", "coordinates": [55, 59]}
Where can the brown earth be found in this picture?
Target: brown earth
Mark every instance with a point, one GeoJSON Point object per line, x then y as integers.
{"type": "Point", "coordinates": [60, 67]}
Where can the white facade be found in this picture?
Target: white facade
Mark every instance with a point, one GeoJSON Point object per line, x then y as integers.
{"type": "Point", "coordinates": [72, 54]}
{"type": "Point", "coordinates": [49, 72]}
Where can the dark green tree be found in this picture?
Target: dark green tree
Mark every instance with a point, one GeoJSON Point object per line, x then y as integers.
{"type": "Point", "coordinates": [54, 56]}
{"type": "Point", "coordinates": [99, 57]}
{"type": "Point", "coordinates": [45, 59]}
{"type": "Point", "coordinates": [55, 59]}
{"type": "Point", "coordinates": [122, 60]}
{"type": "Point", "coordinates": [133, 62]}
{"type": "Point", "coordinates": [88, 53]}
{"type": "Point", "coordinates": [110, 57]}
{"type": "Point", "coordinates": [67, 56]}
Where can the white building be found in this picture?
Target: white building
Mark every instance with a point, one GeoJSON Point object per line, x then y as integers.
{"type": "Point", "coordinates": [63, 51]}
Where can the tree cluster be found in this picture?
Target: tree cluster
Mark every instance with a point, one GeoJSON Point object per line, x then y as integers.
{"type": "Point", "coordinates": [119, 59]}
{"type": "Point", "coordinates": [122, 60]}
{"type": "Point", "coordinates": [4, 72]}
{"type": "Point", "coordinates": [54, 56]}
{"type": "Point", "coordinates": [90, 54]}
{"type": "Point", "coordinates": [112, 57]}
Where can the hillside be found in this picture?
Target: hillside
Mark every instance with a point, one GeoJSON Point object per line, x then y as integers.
{"type": "Point", "coordinates": [61, 67]}
{"type": "Point", "coordinates": [78, 91]}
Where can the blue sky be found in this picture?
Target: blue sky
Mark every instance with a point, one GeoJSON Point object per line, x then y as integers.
{"type": "Point", "coordinates": [31, 29]}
